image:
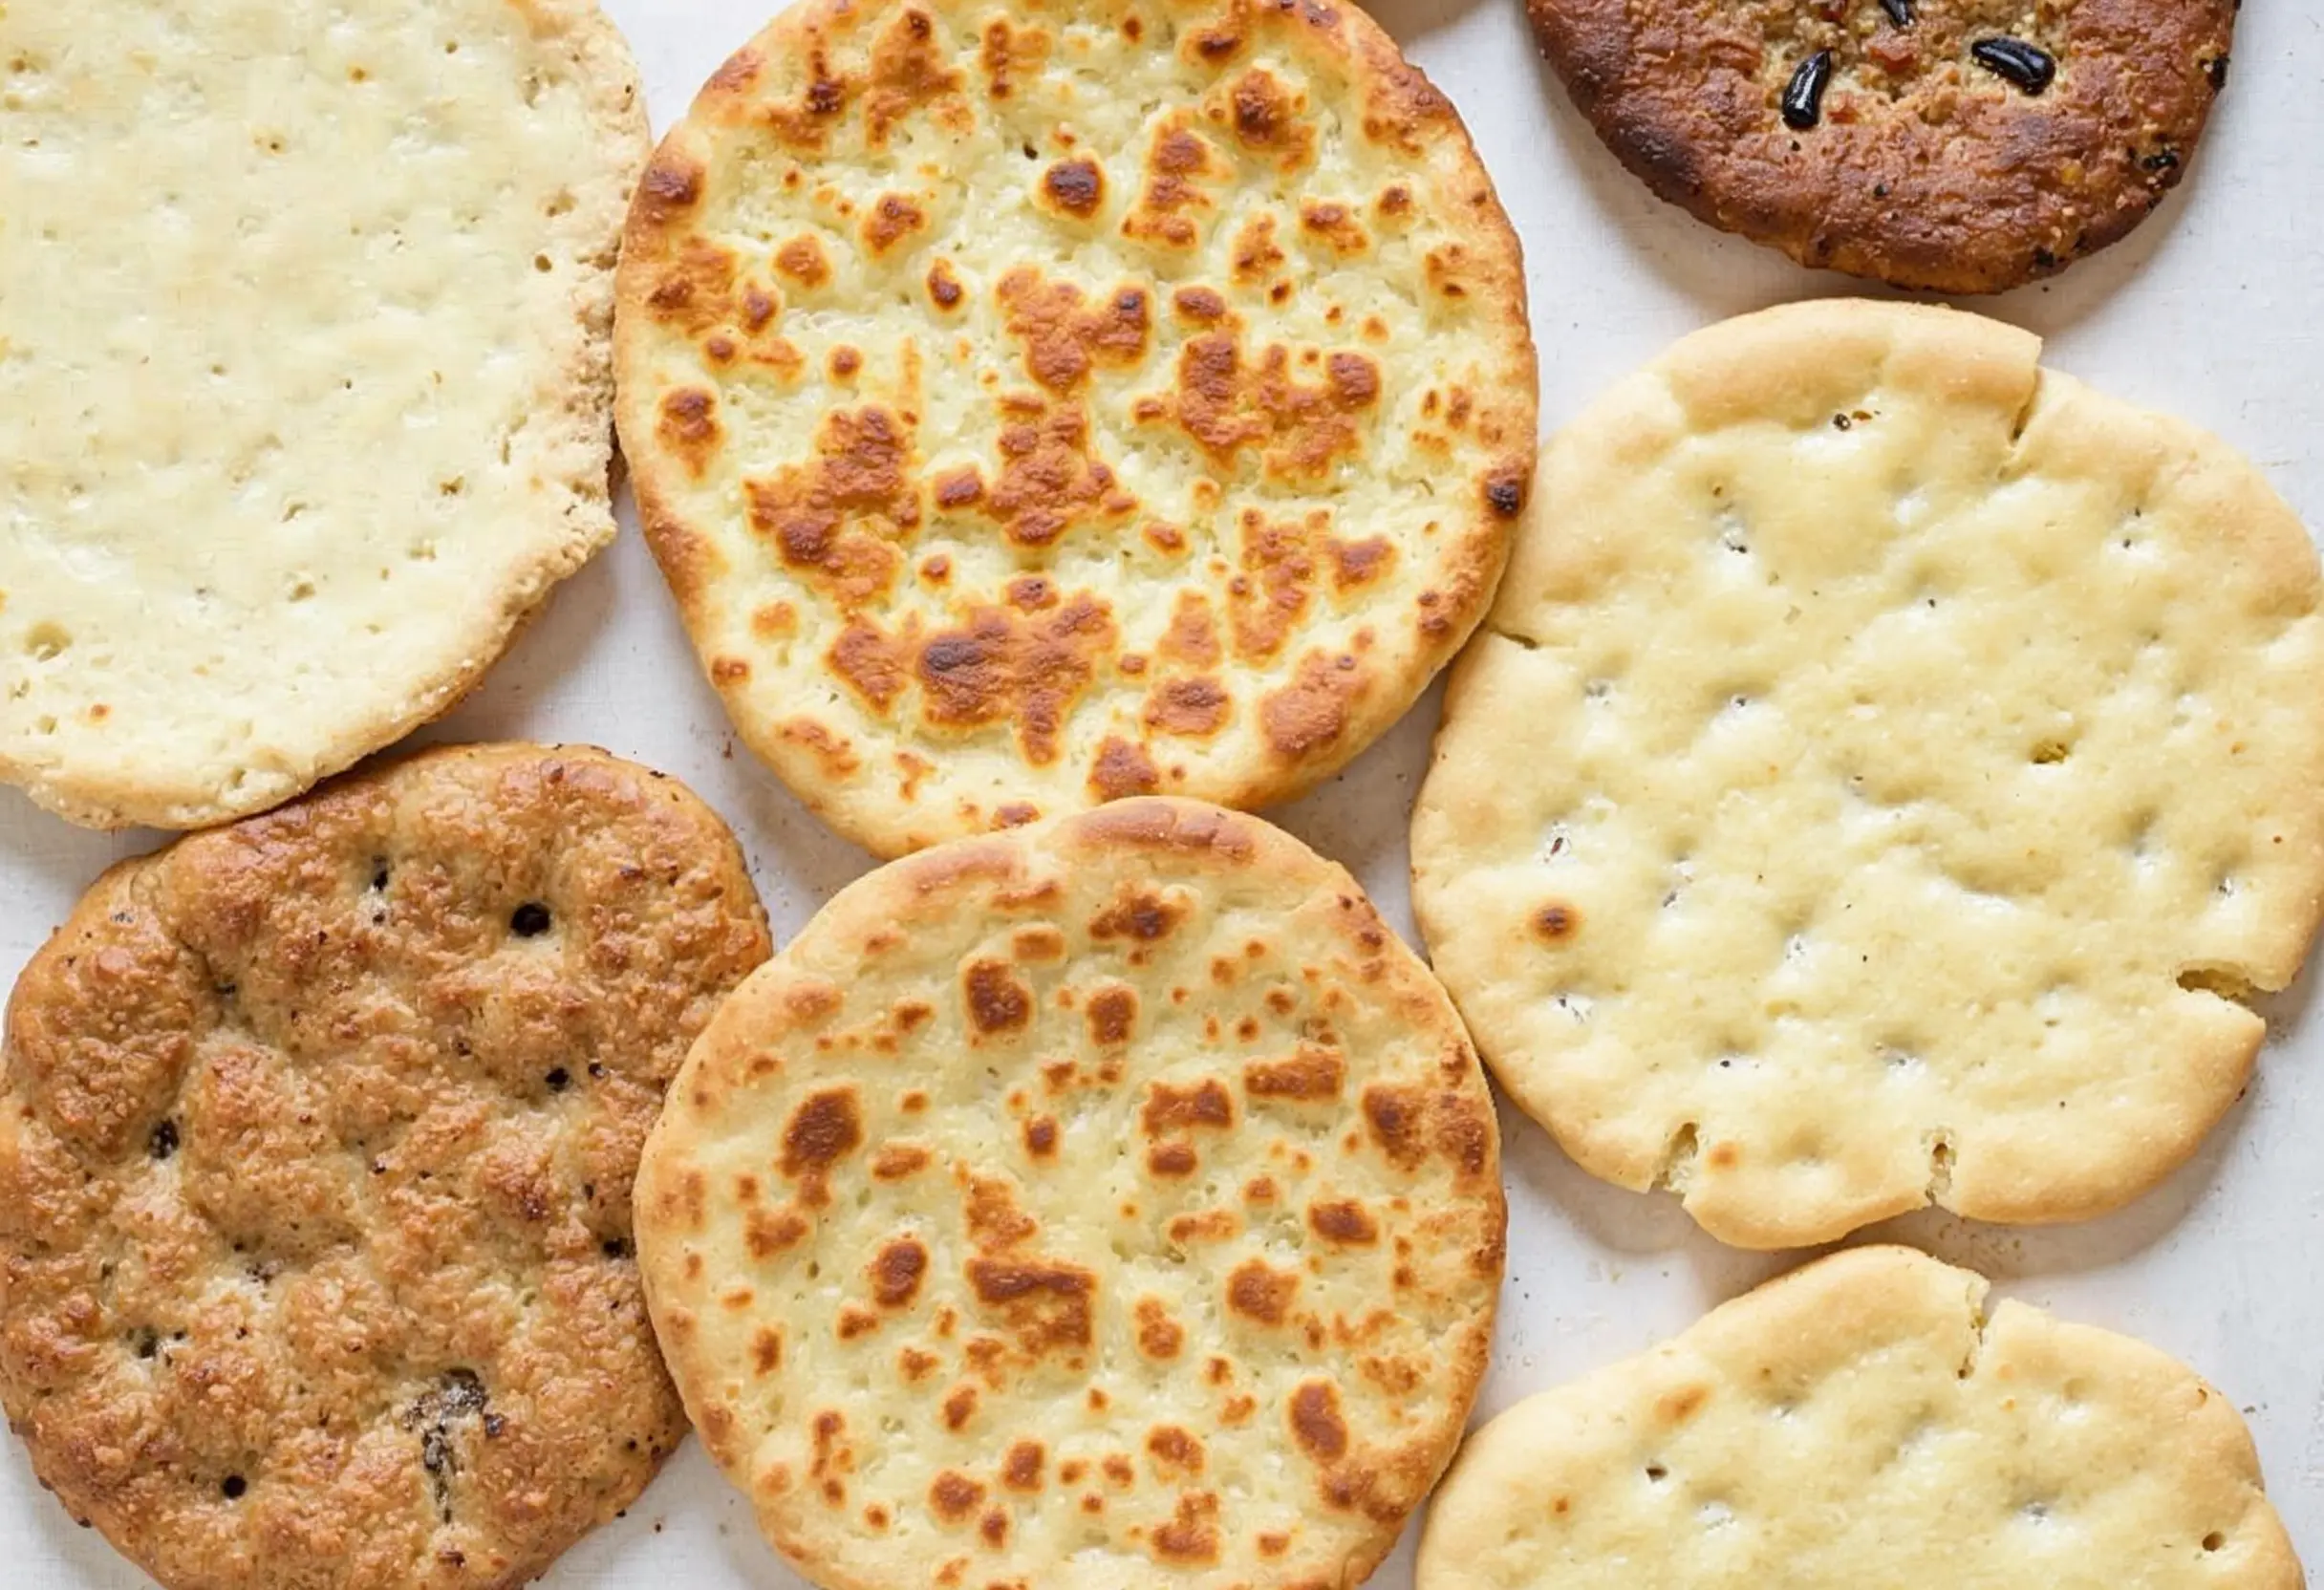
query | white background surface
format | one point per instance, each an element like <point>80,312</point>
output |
<point>2215,309</point>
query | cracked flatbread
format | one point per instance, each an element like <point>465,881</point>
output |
<point>1888,769</point>
<point>1865,1424</point>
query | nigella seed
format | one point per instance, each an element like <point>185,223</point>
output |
<point>2023,64</point>
<point>529,921</point>
<point>1803,96</point>
<point>1900,11</point>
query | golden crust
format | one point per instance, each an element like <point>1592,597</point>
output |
<point>315,1155</point>
<point>1862,1422</point>
<point>141,690</point>
<point>1114,1200</point>
<point>1011,448</point>
<point>1916,754</point>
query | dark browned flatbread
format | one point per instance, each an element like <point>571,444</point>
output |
<point>316,1136</point>
<point>1952,145</point>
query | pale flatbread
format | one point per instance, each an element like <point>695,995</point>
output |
<point>1032,407</point>
<point>1114,1204</point>
<point>304,377</point>
<point>1863,1425</point>
<point>1891,768</point>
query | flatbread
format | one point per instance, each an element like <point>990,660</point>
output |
<point>304,378</point>
<point>1890,768</point>
<point>316,1142</point>
<point>1112,1204</point>
<point>1949,145</point>
<point>1858,1425</point>
<point>1033,406</point>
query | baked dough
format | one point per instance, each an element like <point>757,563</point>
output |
<point>1888,768</point>
<point>305,376</point>
<point>1865,1424</point>
<point>316,1142</point>
<point>1111,1204</point>
<point>1034,407</point>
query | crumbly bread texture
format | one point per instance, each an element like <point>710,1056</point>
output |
<point>1888,768</point>
<point>1112,1204</point>
<point>1922,167</point>
<point>1038,404</point>
<point>316,1147</point>
<point>1860,1425</point>
<point>305,376</point>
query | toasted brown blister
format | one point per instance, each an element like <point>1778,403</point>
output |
<point>1032,409</point>
<point>1953,145</point>
<point>1112,1203</point>
<point>315,1156</point>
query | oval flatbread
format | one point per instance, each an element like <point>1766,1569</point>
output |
<point>1864,1422</point>
<point>1889,770</point>
<point>1115,1204</point>
<point>1034,407</point>
<point>304,378</point>
<point>316,1142</point>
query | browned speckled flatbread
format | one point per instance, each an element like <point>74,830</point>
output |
<point>1037,405</point>
<point>1111,1205</point>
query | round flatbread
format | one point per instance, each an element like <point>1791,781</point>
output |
<point>1891,769</point>
<point>1952,145</point>
<point>1032,408</point>
<point>1115,1204</point>
<point>316,1143</point>
<point>1864,1422</point>
<point>304,378</point>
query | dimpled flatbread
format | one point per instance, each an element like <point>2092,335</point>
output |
<point>1865,1424</point>
<point>1112,1204</point>
<point>1891,769</point>
<point>305,376</point>
<point>316,1142</point>
<point>1033,405</point>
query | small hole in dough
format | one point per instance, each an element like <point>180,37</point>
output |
<point>2213,1541</point>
